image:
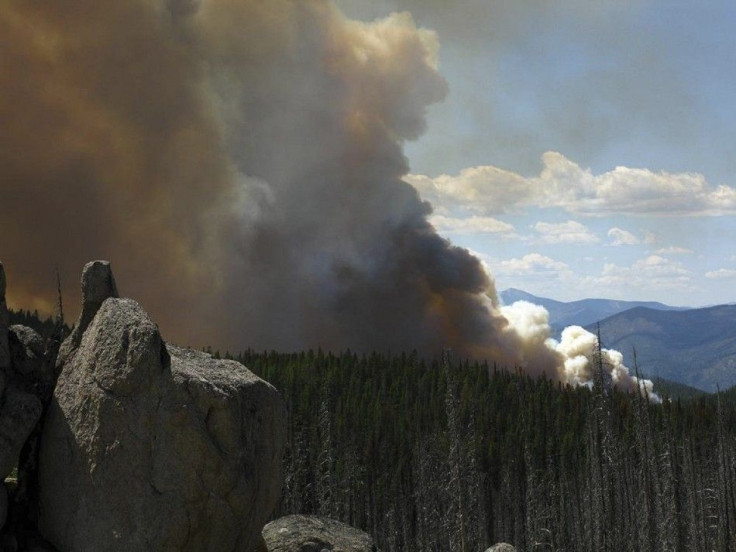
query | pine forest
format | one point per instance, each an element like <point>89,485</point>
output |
<point>452,455</point>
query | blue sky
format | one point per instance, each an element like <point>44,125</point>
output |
<point>586,148</point>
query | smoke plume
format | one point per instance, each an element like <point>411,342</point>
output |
<point>240,163</point>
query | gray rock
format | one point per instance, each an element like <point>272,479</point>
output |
<point>149,447</point>
<point>501,547</point>
<point>98,284</point>
<point>30,371</point>
<point>4,348</point>
<point>19,414</point>
<point>3,505</point>
<point>315,534</point>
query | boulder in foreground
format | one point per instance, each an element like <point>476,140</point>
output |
<point>152,447</point>
<point>501,547</point>
<point>315,534</point>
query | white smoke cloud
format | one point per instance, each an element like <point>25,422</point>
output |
<point>576,350</point>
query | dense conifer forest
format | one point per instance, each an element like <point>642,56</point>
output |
<point>454,456</point>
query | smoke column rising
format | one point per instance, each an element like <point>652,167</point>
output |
<point>240,162</point>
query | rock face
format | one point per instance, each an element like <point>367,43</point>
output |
<point>3,504</point>
<point>314,534</point>
<point>18,416</point>
<point>501,547</point>
<point>98,284</point>
<point>4,348</point>
<point>152,447</point>
<point>30,371</point>
<point>20,408</point>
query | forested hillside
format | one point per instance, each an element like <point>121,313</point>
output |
<point>455,456</point>
<point>695,347</point>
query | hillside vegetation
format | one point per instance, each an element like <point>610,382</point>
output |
<point>696,347</point>
<point>454,456</point>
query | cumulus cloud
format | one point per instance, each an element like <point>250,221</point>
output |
<point>564,184</point>
<point>472,225</point>
<point>721,274</point>
<point>674,250</point>
<point>487,190</point>
<point>653,271</point>
<point>532,264</point>
<point>565,232</point>
<point>622,237</point>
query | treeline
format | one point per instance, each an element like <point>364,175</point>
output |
<point>45,327</point>
<point>453,456</point>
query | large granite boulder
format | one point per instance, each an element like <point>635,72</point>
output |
<point>3,504</point>
<point>98,284</point>
<point>315,534</point>
<point>4,347</point>
<point>30,369</point>
<point>20,409</point>
<point>501,547</point>
<point>152,447</point>
<point>19,414</point>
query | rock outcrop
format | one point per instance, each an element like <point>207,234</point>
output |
<point>147,446</point>
<point>4,348</point>
<point>30,369</point>
<point>19,414</point>
<point>20,408</point>
<point>501,547</point>
<point>314,534</point>
<point>3,505</point>
<point>98,284</point>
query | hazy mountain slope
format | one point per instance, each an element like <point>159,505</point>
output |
<point>696,347</point>
<point>582,312</point>
<point>675,390</point>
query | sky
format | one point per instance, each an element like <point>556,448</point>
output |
<point>585,148</point>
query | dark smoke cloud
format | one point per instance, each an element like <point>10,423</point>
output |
<point>240,162</point>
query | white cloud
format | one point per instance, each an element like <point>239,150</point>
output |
<point>564,184</point>
<point>532,264</point>
<point>565,232</point>
<point>622,237</point>
<point>486,190</point>
<point>674,250</point>
<point>650,238</point>
<point>721,274</point>
<point>471,225</point>
<point>653,272</point>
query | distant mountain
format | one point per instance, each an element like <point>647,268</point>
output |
<point>696,347</point>
<point>673,390</point>
<point>580,313</point>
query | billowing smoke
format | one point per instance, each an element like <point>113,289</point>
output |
<point>577,350</point>
<point>240,162</point>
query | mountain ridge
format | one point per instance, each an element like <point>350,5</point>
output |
<point>696,347</point>
<point>582,312</point>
